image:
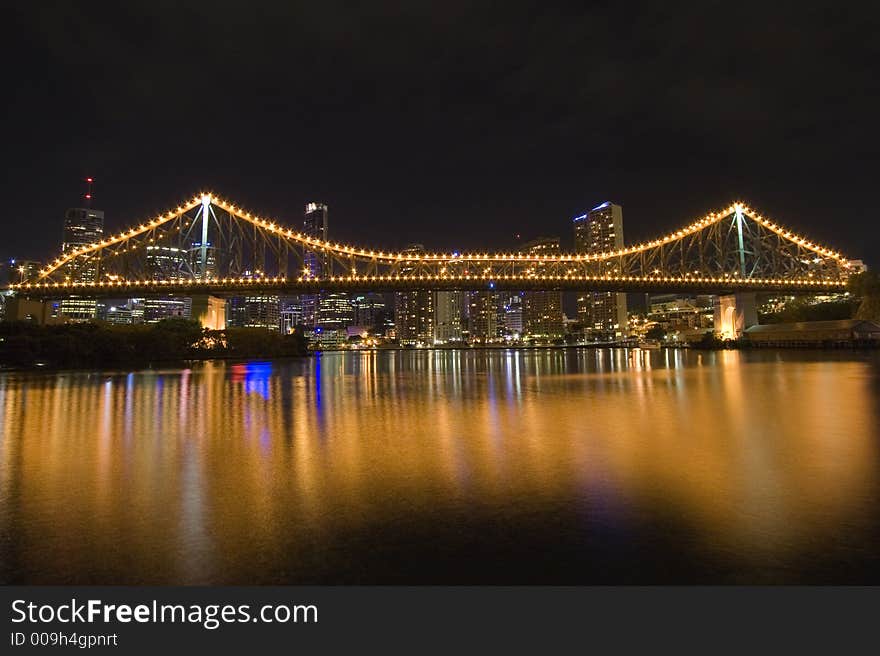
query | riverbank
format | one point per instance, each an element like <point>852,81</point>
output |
<point>97,345</point>
<point>76,346</point>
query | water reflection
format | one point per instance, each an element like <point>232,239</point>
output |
<point>565,465</point>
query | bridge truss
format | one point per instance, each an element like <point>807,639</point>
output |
<point>215,246</point>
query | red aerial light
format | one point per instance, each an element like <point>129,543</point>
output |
<point>89,180</point>
<point>88,197</point>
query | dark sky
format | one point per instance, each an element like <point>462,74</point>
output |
<point>452,124</point>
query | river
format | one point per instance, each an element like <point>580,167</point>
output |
<point>473,466</point>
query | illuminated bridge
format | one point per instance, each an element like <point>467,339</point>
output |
<point>211,246</point>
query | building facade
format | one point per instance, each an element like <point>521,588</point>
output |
<point>82,226</point>
<point>602,314</point>
<point>254,312</point>
<point>316,224</point>
<point>483,317</point>
<point>542,317</point>
<point>448,317</point>
<point>414,311</point>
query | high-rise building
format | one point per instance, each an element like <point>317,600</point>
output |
<point>513,315</point>
<point>82,226</point>
<point>195,261</point>
<point>167,263</point>
<point>254,312</point>
<point>14,271</point>
<point>542,311</point>
<point>370,312</point>
<point>414,311</point>
<point>334,312</point>
<point>603,314</point>
<point>315,263</point>
<point>448,316</point>
<point>483,317</point>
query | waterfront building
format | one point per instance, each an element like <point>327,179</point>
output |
<point>603,314</point>
<point>483,317</point>
<point>845,332</point>
<point>414,311</point>
<point>334,312</point>
<point>156,309</point>
<point>370,311</point>
<point>254,312</point>
<point>680,312</point>
<point>542,311</point>
<point>448,315</point>
<point>512,308</point>
<point>117,314</point>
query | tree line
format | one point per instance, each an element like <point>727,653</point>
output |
<point>98,344</point>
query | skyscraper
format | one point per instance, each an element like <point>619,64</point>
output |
<point>82,226</point>
<point>603,314</point>
<point>448,310</point>
<point>414,311</point>
<point>370,312</point>
<point>542,311</point>
<point>315,263</point>
<point>513,314</point>
<point>483,314</point>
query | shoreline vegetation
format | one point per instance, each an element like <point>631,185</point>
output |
<point>25,345</point>
<point>96,345</point>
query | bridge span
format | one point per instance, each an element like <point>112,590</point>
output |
<point>212,246</point>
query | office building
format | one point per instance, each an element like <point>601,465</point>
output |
<point>83,226</point>
<point>334,312</point>
<point>254,312</point>
<point>370,311</point>
<point>414,311</point>
<point>15,271</point>
<point>483,314</point>
<point>602,314</point>
<point>512,307</point>
<point>448,316</point>
<point>156,309</point>
<point>315,263</point>
<point>542,311</point>
<point>211,261</point>
<point>167,263</point>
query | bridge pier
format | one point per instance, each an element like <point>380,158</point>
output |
<point>734,313</point>
<point>210,311</point>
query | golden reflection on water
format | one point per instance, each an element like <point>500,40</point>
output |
<point>225,471</point>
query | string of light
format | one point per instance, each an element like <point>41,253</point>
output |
<point>390,257</point>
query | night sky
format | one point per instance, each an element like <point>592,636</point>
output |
<point>451,124</point>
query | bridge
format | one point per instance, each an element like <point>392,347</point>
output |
<point>230,250</point>
<point>210,246</point>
